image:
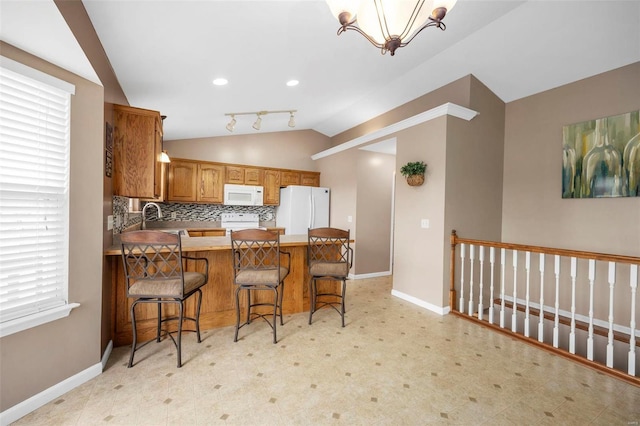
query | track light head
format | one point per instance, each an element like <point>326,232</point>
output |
<point>258,122</point>
<point>292,120</point>
<point>232,123</point>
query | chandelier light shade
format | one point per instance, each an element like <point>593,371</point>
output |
<point>260,114</point>
<point>390,24</point>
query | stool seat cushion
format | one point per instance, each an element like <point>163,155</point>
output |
<point>329,269</point>
<point>268,277</point>
<point>167,287</point>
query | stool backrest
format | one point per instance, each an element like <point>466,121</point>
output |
<point>151,255</point>
<point>329,245</point>
<point>255,249</point>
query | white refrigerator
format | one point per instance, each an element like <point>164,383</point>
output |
<point>301,208</point>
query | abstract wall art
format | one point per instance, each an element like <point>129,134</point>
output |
<point>601,158</point>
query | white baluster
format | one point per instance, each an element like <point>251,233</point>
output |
<point>527,267</point>
<point>481,305</point>
<point>503,255</point>
<point>472,256</point>
<point>556,321</point>
<point>592,277</point>
<point>492,261</point>
<point>514,314</point>
<point>612,283</point>
<point>633,281</point>
<point>541,321</point>
<point>572,332</point>
<point>462,252</point>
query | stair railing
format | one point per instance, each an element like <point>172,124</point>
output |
<point>592,315</point>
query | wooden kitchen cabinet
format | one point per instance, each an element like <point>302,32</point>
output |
<point>310,178</point>
<point>289,177</point>
<point>192,181</point>
<point>183,178</point>
<point>253,176</point>
<point>234,174</point>
<point>137,146</point>
<point>271,187</point>
<point>211,183</point>
<point>207,233</point>
<point>243,175</point>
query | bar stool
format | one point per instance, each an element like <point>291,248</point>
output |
<point>258,266</point>
<point>154,270</point>
<point>329,257</point>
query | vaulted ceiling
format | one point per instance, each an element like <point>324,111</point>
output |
<point>166,54</point>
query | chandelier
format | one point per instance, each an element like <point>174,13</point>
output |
<point>390,24</point>
<point>259,114</point>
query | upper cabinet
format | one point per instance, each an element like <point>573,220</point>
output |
<point>137,170</point>
<point>241,175</point>
<point>192,181</point>
<point>203,182</point>
<point>271,187</point>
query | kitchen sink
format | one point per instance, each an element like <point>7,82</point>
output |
<point>182,232</point>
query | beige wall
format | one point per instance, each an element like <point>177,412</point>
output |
<point>36,359</point>
<point>286,150</point>
<point>418,252</point>
<point>375,180</point>
<point>339,172</point>
<point>534,211</point>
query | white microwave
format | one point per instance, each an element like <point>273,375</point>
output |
<point>243,195</point>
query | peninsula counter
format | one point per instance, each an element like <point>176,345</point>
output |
<point>218,306</point>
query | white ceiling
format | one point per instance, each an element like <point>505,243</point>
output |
<point>166,54</point>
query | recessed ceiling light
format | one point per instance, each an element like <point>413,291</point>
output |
<point>292,83</point>
<point>220,81</point>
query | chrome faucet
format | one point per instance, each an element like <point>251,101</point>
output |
<point>144,210</point>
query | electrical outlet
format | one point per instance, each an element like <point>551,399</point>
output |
<point>173,215</point>
<point>109,222</point>
<point>424,223</point>
<point>349,219</point>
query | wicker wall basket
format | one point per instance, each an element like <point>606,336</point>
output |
<point>415,180</point>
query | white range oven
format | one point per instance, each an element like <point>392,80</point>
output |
<point>238,221</point>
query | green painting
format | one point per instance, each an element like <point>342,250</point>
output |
<point>601,158</point>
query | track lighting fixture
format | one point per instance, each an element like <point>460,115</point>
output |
<point>232,123</point>
<point>258,123</point>
<point>164,157</point>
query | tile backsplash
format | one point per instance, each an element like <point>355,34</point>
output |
<point>185,212</point>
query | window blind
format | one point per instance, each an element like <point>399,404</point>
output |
<point>34,194</point>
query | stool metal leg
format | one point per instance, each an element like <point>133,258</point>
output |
<point>235,339</point>
<point>180,320</point>
<point>135,333</point>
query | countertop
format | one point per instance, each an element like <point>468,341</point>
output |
<point>193,244</point>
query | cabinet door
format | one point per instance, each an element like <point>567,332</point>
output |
<point>271,187</point>
<point>253,176</point>
<point>182,181</point>
<point>287,177</point>
<point>234,174</point>
<point>137,146</point>
<point>310,178</point>
<point>211,183</point>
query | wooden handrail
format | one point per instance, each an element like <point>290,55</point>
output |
<point>546,250</point>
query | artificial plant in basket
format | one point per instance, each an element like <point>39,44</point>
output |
<point>414,172</point>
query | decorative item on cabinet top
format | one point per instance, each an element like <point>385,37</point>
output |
<point>414,172</point>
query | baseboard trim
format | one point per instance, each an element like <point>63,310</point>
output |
<point>371,275</point>
<point>25,407</point>
<point>433,308</point>
<point>107,354</point>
